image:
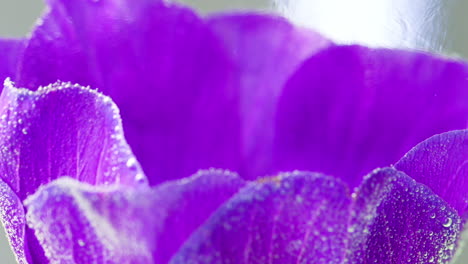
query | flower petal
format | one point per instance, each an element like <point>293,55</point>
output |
<point>441,163</point>
<point>13,220</point>
<point>293,218</point>
<point>79,223</point>
<point>398,220</point>
<point>43,138</point>
<point>10,53</point>
<point>165,70</point>
<point>350,109</point>
<point>187,204</point>
<point>87,224</point>
<point>186,87</point>
<point>267,50</point>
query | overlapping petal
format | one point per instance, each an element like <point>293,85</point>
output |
<point>209,92</point>
<point>10,53</point>
<point>441,162</point>
<point>13,220</point>
<point>397,220</point>
<point>186,204</point>
<point>187,94</point>
<point>61,130</point>
<point>266,51</point>
<point>291,218</point>
<point>351,109</point>
<point>79,223</point>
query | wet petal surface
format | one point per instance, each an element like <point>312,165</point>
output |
<point>186,204</point>
<point>13,219</point>
<point>80,223</point>
<point>292,218</point>
<point>43,138</point>
<point>441,162</point>
<point>397,220</point>
<point>185,107</point>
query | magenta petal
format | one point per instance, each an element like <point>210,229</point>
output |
<point>266,51</point>
<point>350,109</point>
<point>441,163</point>
<point>398,220</point>
<point>124,225</point>
<point>293,218</point>
<point>10,53</point>
<point>13,219</point>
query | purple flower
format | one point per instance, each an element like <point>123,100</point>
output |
<point>279,105</point>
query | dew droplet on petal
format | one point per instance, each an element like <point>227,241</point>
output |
<point>447,222</point>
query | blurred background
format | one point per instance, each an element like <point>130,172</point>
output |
<point>432,25</point>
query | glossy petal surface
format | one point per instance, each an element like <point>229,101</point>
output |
<point>190,96</point>
<point>43,138</point>
<point>397,220</point>
<point>186,204</point>
<point>350,109</point>
<point>266,51</point>
<point>13,219</point>
<point>10,53</point>
<point>293,218</point>
<point>172,86</point>
<point>441,162</point>
<point>79,223</point>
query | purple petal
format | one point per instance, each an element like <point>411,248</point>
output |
<point>267,51</point>
<point>13,219</point>
<point>350,109</point>
<point>121,225</point>
<point>398,220</point>
<point>165,70</point>
<point>293,218</point>
<point>80,223</point>
<point>10,53</point>
<point>43,138</point>
<point>179,81</point>
<point>186,204</point>
<point>441,163</point>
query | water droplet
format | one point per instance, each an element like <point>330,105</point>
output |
<point>81,242</point>
<point>433,215</point>
<point>140,178</point>
<point>24,131</point>
<point>131,163</point>
<point>448,222</point>
<point>299,199</point>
